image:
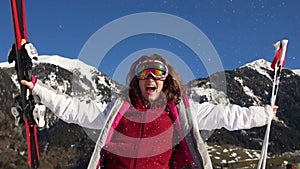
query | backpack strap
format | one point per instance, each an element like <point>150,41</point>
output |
<point>174,114</point>
<point>106,131</point>
<point>118,117</point>
<point>185,98</point>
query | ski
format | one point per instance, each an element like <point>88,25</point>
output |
<point>23,66</point>
<point>277,65</point>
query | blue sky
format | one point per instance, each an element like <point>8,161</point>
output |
<point>241,31</point>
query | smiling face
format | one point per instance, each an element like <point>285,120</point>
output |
<point>151,88</point>
<point>151,78</point>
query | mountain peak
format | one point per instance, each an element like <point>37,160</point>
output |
<point>63,62</point>
<point>260,63</point>
<point>261,66</point>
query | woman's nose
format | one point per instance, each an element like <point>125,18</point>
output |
<point>150,77</point>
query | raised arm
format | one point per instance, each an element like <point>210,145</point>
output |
<point>86,113</point>
<point>232,117</point>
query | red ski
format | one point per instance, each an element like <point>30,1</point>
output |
<point>23,66</point>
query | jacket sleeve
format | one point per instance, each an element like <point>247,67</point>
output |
<point>232,117</point>
<point>86,113</point>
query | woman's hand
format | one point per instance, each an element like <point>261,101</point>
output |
<point>30,85</point>
<point>275,108</point>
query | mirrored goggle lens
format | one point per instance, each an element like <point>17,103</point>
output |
<point>156,73</point>
<point>154,67</point>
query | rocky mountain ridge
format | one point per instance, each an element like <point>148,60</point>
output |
<point>248,85</point>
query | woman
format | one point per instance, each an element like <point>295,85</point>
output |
<point>153,124</point>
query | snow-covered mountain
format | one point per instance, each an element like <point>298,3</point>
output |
<point>297,71</point>
<point>247,85</point>
<point>261,66</point>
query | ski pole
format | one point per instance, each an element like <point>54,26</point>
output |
<point>277,65</point>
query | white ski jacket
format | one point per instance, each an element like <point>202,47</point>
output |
<point>204,116</point>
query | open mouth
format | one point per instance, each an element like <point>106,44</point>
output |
<point>150,89</point>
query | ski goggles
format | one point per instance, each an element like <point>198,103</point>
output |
<point>155,68</point>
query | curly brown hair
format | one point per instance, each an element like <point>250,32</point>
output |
<point>173,84</point>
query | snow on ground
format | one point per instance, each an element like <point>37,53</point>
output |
<point>223,154</point>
